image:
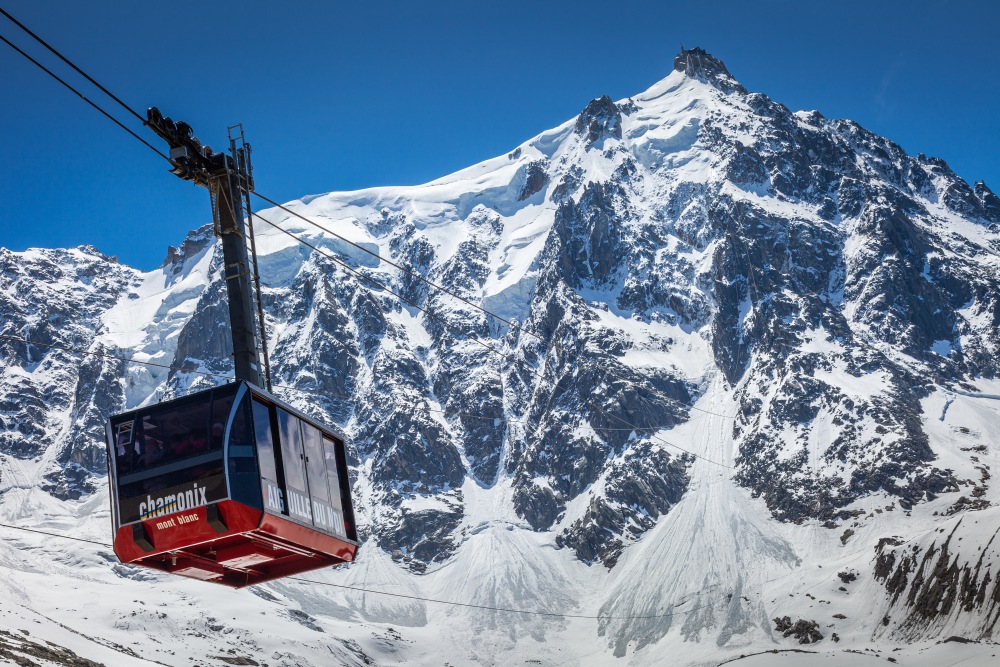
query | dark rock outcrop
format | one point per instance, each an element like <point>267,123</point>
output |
<point>601,118</point>
<point>698,63</point>
<point>807,632</point>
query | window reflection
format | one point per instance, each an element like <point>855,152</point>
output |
<point>293,461</point>
<point>165,450</point>
<point>171,445</point>
<point>269,484</point>
<point>330,452</point>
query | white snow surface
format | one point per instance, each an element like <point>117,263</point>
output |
<point>699,588</point>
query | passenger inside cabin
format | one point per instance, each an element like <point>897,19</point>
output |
<point>218,433</point>
<point>199,445</point>
<point>124,451</point>
<point>153,452</point>
<point>181,446</point>
<point>123,461</point>
<point>189,445</point>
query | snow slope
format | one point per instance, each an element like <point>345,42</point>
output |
<point>741,367</point>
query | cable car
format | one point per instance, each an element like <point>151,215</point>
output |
<point>229,485</point>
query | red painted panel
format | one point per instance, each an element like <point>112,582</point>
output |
<point>125,547</point>
<point>239,518</point>
<point>254,548</point>
<point>196,569</point>
<point>182,530</point>
<point>307,537</point>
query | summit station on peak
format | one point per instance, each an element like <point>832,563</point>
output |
<point>698,63</point>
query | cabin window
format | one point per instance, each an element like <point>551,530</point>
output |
<point>293,462</point>
<point>166,460</point>
<point>241,436</point>
<point>326,516</point>
<point>126,446</point>
<point>335,511</point>
<point>173,434</point>
<point>221,407</point>
<point>330,453</point>
<point>315,467</point>
<point>269,483</point>
<point>244,481</point>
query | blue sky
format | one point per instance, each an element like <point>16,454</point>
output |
<point>340,96</point>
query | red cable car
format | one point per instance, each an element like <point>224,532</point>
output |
<point>229,485</point>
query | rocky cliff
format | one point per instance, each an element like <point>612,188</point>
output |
<point>688,288</point>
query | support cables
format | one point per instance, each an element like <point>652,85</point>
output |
<point>71,64</point>
<point>473,339</point>
<point>284,387</point>
<point>412,597</point>
<point>553,344</point>
<point>82,96</point>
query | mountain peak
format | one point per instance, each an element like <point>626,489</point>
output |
<point>699,64</point>
<point>601,117</point>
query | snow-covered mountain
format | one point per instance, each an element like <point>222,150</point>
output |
<point>741,366</point>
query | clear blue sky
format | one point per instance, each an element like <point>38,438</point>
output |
<point>340,96</point>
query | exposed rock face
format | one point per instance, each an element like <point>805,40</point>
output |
<point>645,484</point>
<point>990,202</point>
<point>22,650</point>
<point>53,398</point>
<point>535,180</point>
<point>694,238</point>
<point>696,63</point>
<point>589,233</point>
<point>944,580</point>
<point>602,118</point>
<point>807,632</point>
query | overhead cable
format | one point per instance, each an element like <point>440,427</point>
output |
<point>83,97</point>
<point>71,64</point>
<point>553,344</point>
<point>505,609</point>
<point>397,595</point>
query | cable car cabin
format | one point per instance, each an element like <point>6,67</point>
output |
<point>229,485</point>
